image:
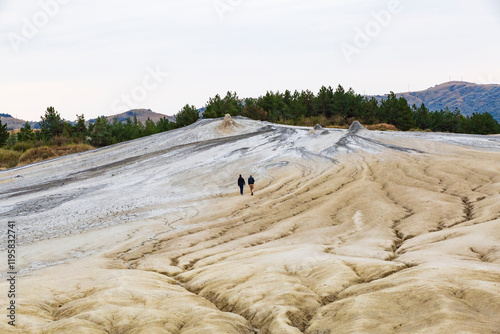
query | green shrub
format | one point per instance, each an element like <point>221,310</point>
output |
<point>22,146</point>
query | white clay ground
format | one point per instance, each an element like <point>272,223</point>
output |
<point>349,231</point>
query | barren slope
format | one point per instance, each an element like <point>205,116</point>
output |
<point>468,97</point>
<point>348,232</point>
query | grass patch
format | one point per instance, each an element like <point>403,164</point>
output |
<point>9,158</point>
<point>71,148</point>
<point>37,154</point>
<point>382,127</point>
<point>338,127</point>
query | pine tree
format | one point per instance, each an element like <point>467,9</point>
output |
<point>397,112</point>
<point>118,131</point>
<point>323,103</point>
<point>52,124</point>
<point>353,104</point>
<point>403,119</point>
<point>4,134</point>
<point>422,117</point>
<point>150,127</point>
<point>338,102</point>
<point>218,107</point>
<point>138,128</point>
<point>26,133</point>
<point>186,116</point>
<point>274,105</point>
<point>101,132</point>
<point>483,124</point>
<point>253,111</point>
<point>164,125</point>
<point>297,108</point>
<point>232,104</point>
<point>370,110</point>
<point>214,108</point>
<point>307,101</point>
<point>80,129</point>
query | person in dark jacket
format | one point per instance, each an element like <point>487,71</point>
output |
<point>251,181</point>
<point>241,183</point>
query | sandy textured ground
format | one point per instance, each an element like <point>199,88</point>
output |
<point>348,232</point>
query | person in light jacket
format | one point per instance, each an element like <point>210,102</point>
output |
<point>251,181</point>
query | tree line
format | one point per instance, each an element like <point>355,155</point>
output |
<point>327,107</point>
<point>341,107</point>
<point>54,130</point>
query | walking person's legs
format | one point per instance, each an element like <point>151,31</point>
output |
<point>241,189</point>
<point>251,188</point>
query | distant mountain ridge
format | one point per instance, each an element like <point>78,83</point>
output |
<point>141,114</point>
<point>467,97</point>
<point>16,123</point>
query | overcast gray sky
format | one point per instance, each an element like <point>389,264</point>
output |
<point>104,57</point>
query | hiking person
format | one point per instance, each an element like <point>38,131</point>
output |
<point>251,181</point>
<point>241,183</point>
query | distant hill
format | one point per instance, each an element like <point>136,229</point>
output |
<point>467,97</point>
<point>15,123</point>
<point>141,114</point>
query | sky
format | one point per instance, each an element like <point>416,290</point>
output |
<point>106,57</point>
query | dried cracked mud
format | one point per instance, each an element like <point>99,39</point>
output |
<point>349,231</point>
